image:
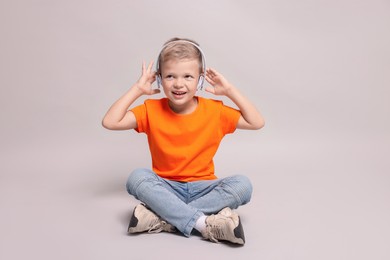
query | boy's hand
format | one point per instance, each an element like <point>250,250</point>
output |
<point>144,83</point>
<point>250,118</point>
<point>220,85</point>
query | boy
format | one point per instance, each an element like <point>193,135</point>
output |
<point>181,191</point>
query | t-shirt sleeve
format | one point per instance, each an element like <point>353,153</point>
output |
<point>141,117</point>
<point>229,119</point>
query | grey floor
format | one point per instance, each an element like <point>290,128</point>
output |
<point>318,71</point>
<point>323,200</point>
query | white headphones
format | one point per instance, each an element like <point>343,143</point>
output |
<point>201,77</point>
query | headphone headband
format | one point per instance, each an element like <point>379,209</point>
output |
<point>201,77</point>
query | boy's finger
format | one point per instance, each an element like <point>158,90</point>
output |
<point>210,90</point>
<point>150,66</point>
<point>212,71</point>
<point>210,80</point>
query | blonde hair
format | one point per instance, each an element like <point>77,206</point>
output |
<point>180,49</point>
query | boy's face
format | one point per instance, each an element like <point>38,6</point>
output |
<point>179,81</point>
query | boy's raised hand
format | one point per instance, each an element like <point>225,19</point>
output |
<point>220,85</point>
<point>144,83</point>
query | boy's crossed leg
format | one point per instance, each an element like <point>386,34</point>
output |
<point>170,200</point>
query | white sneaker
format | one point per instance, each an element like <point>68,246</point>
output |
<point>144,219</point>
<point>225,225</point>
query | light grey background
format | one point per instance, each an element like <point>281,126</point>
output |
<point>318,70</point>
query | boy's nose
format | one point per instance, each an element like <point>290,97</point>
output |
<point>179,83</point>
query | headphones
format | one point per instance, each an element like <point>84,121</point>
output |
<point>201,77</point>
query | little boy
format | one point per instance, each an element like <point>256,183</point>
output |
<point>181,191</point>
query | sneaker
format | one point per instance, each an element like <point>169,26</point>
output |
<point>225,225</point>
<point>144,219</point>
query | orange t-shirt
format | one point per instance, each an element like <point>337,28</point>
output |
<point>183,146</point>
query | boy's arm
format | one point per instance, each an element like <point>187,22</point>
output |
<point>250,118</point>
<point>118,117</point>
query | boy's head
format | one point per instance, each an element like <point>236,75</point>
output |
<point>180,49</point>
<point>180,68</point>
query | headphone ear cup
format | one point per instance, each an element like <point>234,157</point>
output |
<point>159,81</point>
<point>200,82</point>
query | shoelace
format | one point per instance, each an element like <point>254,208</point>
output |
<point>157,227</point>
<point>214,232</point>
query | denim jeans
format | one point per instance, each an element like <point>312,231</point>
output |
<point>182,203</point>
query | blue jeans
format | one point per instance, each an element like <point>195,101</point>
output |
<point>182,203</point>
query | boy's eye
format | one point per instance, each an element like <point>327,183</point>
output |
<point>189,77</point>
<point>168,76</point>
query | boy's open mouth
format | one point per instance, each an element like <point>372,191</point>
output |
<point>179,93</point>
